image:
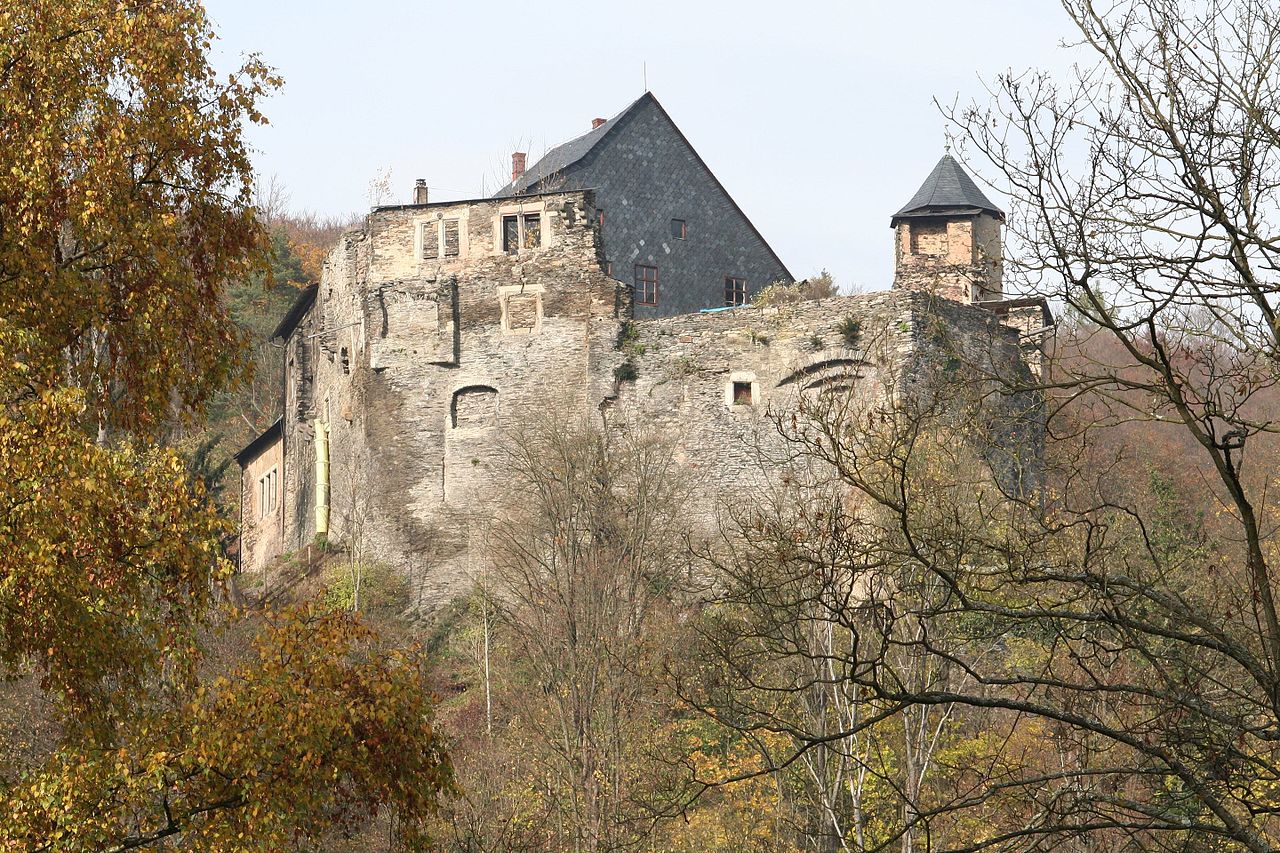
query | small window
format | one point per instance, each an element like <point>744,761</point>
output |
<point>532,231</point>
<point>678,229</point>
<point>430,242</point>
<point>346,361</point>
<point>600,217</point>
<point>451,243</point>
<point>646,285</point>
<point>608,268</point>
<point>735,290</point>
<point>742,394</point>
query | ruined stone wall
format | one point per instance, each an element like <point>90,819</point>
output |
<point>426,340</point>
<point>719,384</point>
<point>428,344</point>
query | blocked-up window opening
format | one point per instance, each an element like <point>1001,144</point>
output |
<point>928,238</point>
<point>510,234</point>
<point>742,394</point>
<point>451,244</point>
<point>735,290</point>
<point>532,231</point>
<point>522,312</point>
<point>430,242</point>
<point>646,285</point>
<point>474,406</point>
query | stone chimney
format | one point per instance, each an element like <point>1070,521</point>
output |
<point>517,165</point>
<point>596,122</point>
<point>420,191</point>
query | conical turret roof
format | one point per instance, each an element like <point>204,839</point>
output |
<point>947,191</point>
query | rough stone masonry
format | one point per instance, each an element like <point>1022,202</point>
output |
<point>431,333</point>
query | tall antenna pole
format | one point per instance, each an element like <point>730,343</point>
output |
<point>644,75</point>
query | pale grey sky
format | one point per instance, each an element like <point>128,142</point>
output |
<point>816,116</point>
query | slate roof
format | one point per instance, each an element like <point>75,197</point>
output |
<point>254,448</point>
<point>948,189</point>
<point>296,312</point>
<point>565,155</point>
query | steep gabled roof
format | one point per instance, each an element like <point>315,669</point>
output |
<point>296,312</point>
<point>254,448</point>
<point>947,190</point>
<point>565,155</point>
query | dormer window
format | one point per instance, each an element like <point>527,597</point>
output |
<point>521,231</point>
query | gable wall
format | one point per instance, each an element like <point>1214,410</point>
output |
<point>645,175</point>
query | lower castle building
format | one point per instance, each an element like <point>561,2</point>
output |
<point>405,369</point>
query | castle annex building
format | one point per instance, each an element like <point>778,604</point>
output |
<point>437,327</point>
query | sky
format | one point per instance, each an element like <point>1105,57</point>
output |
<point>818,117</point>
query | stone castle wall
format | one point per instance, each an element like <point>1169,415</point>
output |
<point>417,363</point>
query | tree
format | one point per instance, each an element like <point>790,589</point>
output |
<point>1142,651</point>
<point>587,583</point>
<point>125,209</point>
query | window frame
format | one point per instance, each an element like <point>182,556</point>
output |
<point>521,218</point>
<point>735,289</point>
<point>683,229</point>
<point>268,492</point>
<point>639,288</point>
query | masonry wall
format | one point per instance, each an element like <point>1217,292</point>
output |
<point>418,363</point>
<point>956,257</point>
<point>644,175</point>
<point>690,370</point>
<point>262,536</point>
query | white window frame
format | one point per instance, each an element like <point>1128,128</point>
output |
<point>268,492</point>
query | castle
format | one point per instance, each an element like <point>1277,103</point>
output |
<point>438,325</point>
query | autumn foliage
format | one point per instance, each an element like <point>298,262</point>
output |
<point>125,212</point>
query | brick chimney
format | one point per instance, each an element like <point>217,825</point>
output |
<point>420,191</point>
<point>517,165</point>
<point>596,122</point>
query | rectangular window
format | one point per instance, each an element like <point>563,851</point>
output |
<point>430,242</point>
<point>451,243</point>
<point>646,285</point>
<point>532,231</point>
<point>735,290</point>
<point>521,232</point>
<point>742,394</point>
<point>510,234</point>
<point>608,268</point>
<point>678,229</point>
<point>600,217</point>
<point>267,491</point>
